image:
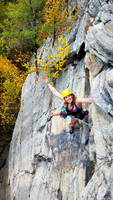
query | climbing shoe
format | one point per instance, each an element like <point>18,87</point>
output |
<point>71,130</point>
<point>48,119</point>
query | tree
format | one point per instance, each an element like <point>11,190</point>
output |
<point>55,16</point>
<point>10,87</point>
<point>19,27</point>
<point>55,62</point>
<point>58,17</point>
<point>2,14</point>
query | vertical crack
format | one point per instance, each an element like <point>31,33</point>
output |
<point>59,194</point>
<point>90,169</point>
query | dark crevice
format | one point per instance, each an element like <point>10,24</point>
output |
<point>107,196</point>
<point>3,164</point>
<point>81,52</point>
<point>38,159</point>
<point>41,128</point>
<point>59,194</point>
<point>87,82</point>
<point>76,56</point>
<point>3,155</point>
<point>90,169</point>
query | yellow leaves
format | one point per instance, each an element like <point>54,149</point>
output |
<point>19,57</point>
<point>10,86</point>
<point>42,35</point>
<point>55,16</point>
<point>74,17</point>
<point>78,9</point>
<point>56,74</point>
<point>58,17</point>
<point>55,62</point>
<point>59,48</point>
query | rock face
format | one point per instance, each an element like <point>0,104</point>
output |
<point>46,161</point>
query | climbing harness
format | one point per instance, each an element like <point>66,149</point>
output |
<point>75,112</point>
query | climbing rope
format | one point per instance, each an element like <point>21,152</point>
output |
<point>98,129</point>
<point>91,126</point>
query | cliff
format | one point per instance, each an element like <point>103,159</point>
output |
<point>47,162</point>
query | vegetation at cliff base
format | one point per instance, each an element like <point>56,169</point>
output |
<point>11,81</point>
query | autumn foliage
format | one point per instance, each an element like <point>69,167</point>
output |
<point>58,18</point>
<point>55,62</point>
<point>55,16</point>
<point>10,87</point>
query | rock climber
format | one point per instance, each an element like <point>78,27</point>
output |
<point>72,105</point>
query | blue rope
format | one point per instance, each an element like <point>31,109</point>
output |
<point>98,129</point>
<point>91,126</point>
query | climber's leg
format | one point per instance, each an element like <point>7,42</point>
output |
<point>72,125</point>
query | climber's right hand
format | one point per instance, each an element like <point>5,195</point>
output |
<point>49,118</point>
<point>46,80</point>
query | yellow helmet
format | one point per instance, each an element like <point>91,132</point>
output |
<point>66,92</point>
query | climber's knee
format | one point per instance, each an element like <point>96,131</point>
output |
<point>74,122</point>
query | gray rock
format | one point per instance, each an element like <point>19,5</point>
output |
<point>95,5</point>
<point>99,40</point>
<point>80,36</point>
<point>102,94</point>
<point>44,162</point>
<point>105,14</point>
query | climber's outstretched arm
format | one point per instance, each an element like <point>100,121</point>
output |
<point>53,90</point>
<point>84,100</point>
<point>55,114</point>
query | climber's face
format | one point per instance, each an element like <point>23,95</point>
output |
<point>69,98</point>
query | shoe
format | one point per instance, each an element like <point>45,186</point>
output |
<point>71,130</point>
<point>48,119</point>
